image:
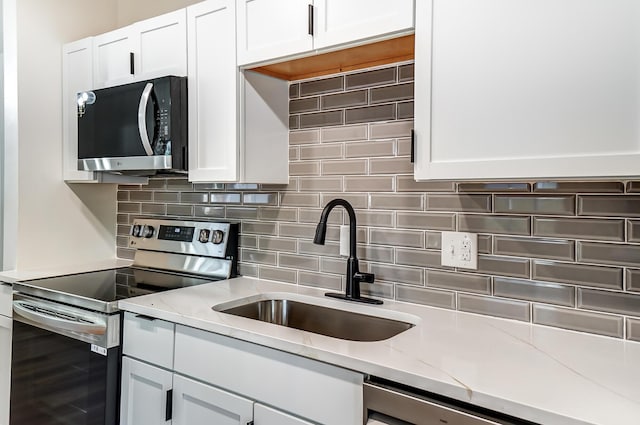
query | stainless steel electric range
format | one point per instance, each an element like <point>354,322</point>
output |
<point>66,330</point>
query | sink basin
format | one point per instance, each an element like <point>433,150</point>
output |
<point>333,322</point>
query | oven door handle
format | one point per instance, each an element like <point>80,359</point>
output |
<point>37,315</point>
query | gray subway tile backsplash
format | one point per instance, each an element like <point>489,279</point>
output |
<point>507,225</point>
<point>371,78</point>
<point>609,206</point>
<point>405,72</point>
<point>343,100</point>
<point>321,86</point>
<point>426,296</point>
<point>385,112</point>
<point>613,302</point>
<point>321,119</point>
<point>459,281</point>
<point>584,321</point>
<point>392,93</point>
<point>405,110</point>
<point>531,290</point>
<point>609,253</point>
<point>509,309</point>
<point>578,274</point>
<point>563,254</point>
<point>580,228</point>
<point>579,187</point>
<point>558,249</point>
<point>494,187</point>
<point>556,205</point>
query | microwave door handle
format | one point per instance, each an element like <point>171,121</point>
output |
<point>142,118</point>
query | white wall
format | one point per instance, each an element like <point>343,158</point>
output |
<point>130,11</point>
<point>55,220</point>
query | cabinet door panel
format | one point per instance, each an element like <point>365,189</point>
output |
<point>162,48</point>
<point>339,21</point>
<point>5,368</point>
<point>144,393</point>
<point>195,403</point>
<point>549,89</point>
<point>111,58</point>
<point>263,415</point>
<point>269,29</point>
<point>77,76</point>
<point>213,92</point>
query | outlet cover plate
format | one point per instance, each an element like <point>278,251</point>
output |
<point>459,249</point>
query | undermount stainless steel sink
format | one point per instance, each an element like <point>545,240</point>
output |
<point>318,319</point>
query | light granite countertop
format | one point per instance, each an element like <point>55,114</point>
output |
<point>545,375</point>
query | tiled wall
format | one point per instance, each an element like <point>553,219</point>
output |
<point>561,254</point>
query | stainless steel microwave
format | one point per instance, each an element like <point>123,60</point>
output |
<point>138,128</point>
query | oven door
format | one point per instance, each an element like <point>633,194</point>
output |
<point>61,375</point>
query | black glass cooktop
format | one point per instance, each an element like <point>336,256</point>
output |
<point>101,289</point>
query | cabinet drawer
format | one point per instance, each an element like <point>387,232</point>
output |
<point>5,299</point>
<point>148,339</point>
<point>310,389</point>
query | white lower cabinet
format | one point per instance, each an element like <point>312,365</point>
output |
<point>214,379</point>
<point>264,415</point>
<point>195,403</point>
<point>145,392</point>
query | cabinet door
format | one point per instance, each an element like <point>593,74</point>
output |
<point>145,392</point>
<point>5,368</point>
<point>270,29</point>
<point>339,21</point>
<point>213,92</point>
<point>527,89</point>
<point>263,415</point>
<point>161,46</point>
<point>195,403</point>
<point>77,76</point>
<point>112,58</point>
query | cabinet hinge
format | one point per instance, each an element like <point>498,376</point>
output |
<point>413,145</point>
<point>310,19</point>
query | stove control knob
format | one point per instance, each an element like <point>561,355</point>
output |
<point>204,235</point>
<point>147,231</point>
<point>135,230</point>
<point>217,237</point>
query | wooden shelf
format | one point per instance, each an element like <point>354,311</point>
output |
<point>365,56</point>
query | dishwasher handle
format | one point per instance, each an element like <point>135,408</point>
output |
<point>415,409</point>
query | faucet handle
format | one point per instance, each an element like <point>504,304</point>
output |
<point>364,277</point>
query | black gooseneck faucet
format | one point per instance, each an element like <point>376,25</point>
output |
<point>354,276</point>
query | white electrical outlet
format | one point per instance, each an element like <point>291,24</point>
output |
<point>460,249</point>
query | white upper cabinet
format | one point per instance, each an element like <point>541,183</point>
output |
<point>273,29</point>
<point>141,51</point>
<point>77,76</point>
<point>269,29</point>
<point>509,89</point>
<point>113,59</point>
<point>162,46</point>
<point>222,100</point>
<point>344,21</point>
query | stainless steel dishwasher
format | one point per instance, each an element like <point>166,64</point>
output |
<point>393,404</point>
